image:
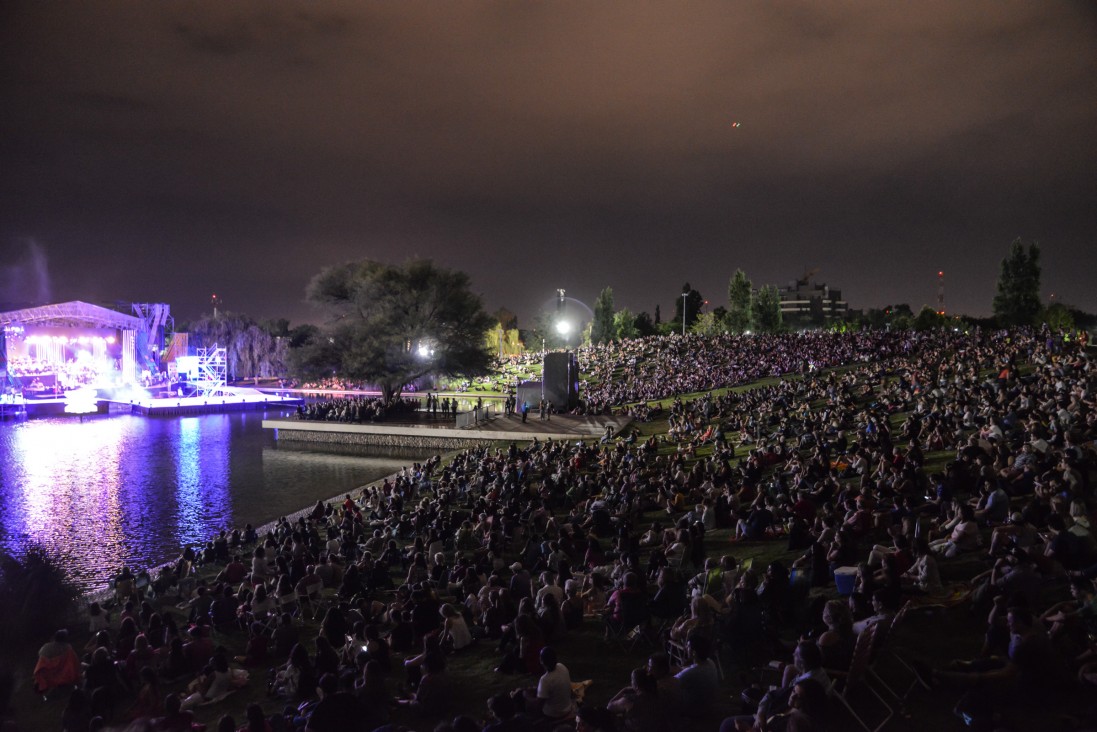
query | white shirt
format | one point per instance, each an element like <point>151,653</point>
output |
<point>555,688</point>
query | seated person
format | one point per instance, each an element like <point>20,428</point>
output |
<point>57,664</point>
<point>1032,676</point>
<point>627,606</point>
<point>640,706</point>
<point>698,681</point>
<point>757,522</point>
<point>552,697</point>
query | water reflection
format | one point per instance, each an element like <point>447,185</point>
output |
<point>201,458</point>
<point>65,479</point>
<point>109,491</point>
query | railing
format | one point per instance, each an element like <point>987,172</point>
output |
<point>474,417</point>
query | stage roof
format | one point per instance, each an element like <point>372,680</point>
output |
<point>71,314</point>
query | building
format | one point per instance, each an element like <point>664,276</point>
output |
<point>807,303</point>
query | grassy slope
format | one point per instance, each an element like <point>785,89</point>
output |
<point>940,635</point>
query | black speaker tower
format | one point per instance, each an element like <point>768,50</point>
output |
<point>561,380</point>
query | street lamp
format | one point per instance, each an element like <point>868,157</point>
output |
<point>684,296</point>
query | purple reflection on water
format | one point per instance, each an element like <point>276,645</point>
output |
<point>108,491</point>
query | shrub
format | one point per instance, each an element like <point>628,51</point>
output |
<point>36,598</point>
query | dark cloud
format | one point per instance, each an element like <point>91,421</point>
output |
<point>172,150</point>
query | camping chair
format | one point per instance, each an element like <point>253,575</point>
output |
<point>856,677</point>
<point>669,604</point>
<point>632,629</point>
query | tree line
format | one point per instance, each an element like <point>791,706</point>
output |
<point>387,325</point>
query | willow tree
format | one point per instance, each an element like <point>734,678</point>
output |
<point>251,350</point>
<point>389,325</point>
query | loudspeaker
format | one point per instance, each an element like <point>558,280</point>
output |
<point>561,378</point>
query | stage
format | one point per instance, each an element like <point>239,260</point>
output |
<point>230,400</point>
<point>233,399</point>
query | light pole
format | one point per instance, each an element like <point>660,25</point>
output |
<point>684,296</point>
<point>563,327</point>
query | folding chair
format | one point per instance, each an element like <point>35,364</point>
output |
<point>311,601</point>
<point>289,604</point>
<point>883,645</point>
<point>633,626</point>
<point>856,677</point>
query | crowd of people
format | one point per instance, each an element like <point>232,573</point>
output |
<point>511,551</point>
<point>648,369</point>
<point>357,410</point>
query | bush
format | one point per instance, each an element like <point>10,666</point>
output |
<point>36,598</point>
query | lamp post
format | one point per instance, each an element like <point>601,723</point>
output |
<point>684,296</point>
<point>563,327</point>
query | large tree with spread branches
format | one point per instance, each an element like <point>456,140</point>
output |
<point>389,325</point>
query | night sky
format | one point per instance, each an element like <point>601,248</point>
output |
<point>164,151</point>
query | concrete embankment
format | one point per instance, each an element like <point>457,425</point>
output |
<point>563,428</point>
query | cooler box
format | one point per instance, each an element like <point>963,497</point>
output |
<point>845,578</point>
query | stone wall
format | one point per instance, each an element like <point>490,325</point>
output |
<point>423,442</point>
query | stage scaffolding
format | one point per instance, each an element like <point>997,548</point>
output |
<point>212,369</point>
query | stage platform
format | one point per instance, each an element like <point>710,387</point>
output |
<point>435,433</point>
<point>172,406</point>
<point>247,399</point>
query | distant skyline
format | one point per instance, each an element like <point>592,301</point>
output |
<point>169,151</point>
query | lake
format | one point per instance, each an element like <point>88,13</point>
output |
<point>126,489</point>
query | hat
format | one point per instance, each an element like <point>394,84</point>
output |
<point>1017,518</point>
<point>516,567</point>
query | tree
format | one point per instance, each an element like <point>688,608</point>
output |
<point>766,310</point>
<point>507,319</point>
<point>250,348</point>
<point>277,327</point>
<point>302,334</point>
<point>740,293</point>
<point>502,341</point>
<point>602,328</point>
<point>390,325</point>
<point>624,324</point>
<point>927,319</point>
<point>693,302</point>
<point>707,324</point>
<point>1017,301</point>
<point>644,325</point>
<point>1059,317</point>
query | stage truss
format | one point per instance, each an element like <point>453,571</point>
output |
<point>212,369</point>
